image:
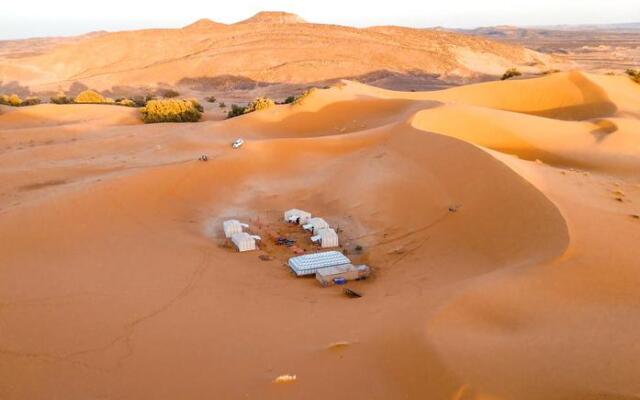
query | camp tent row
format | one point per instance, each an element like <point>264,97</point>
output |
<point>234,230</point>
<point>322,233</point>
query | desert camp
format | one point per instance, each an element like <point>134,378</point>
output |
<point>334,200</point>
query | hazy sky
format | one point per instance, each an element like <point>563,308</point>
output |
<point>29,18</point>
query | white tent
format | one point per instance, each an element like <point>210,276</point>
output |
<point>244,241</point>
<point>326,237</point>
<point>315,225</point>
<point>297,216</point>
<point>310,263</point>
<point>232,226</point>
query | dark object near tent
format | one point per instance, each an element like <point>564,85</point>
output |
<point>352,293</point>
<point>284,241</point>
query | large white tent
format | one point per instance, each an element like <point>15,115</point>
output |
<point>315,225</point>
<point>310,263</point>
<point>326,238</point>
<point>297,216</point>
<point>244,241</point>
<point>233,226</point>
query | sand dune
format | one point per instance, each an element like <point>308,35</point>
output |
<point>114,283</point>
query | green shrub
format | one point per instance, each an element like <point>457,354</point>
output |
<point>510,73</point>
<point>196,104</point>
<point>304,95</point>
<point>170,93</point>
<point>31,101</point>
<point>634,74</point>
<point>170,110</point>
<point>289,100</point>
<point>90,97</point>
<point>11,100</point>
<point>61,99</point>
<point>222,105</point>
<point>236,111</point>
<point>259,103</point>
<point>210,99</point>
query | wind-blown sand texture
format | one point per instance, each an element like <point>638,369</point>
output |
<point>113,283</point>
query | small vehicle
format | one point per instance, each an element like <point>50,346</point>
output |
<point>237,143</point>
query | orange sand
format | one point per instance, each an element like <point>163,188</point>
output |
<point>113,283</point>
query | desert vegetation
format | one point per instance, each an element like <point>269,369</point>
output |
<point>196,104</point>
<point>304,95</point>
<point>10,100</point>
<point>210,99</point>
<point>510,73</point>
<point>170,94</point>
<point>235,111</point>
<point>15,101</point>
<point>634,74</point>
<point>170,110</point>
<point>91,97</point>
<point>125,102</point>
<point>61,98</point>
<point>259,103</point>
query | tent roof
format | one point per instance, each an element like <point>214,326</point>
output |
<point>309,263</point>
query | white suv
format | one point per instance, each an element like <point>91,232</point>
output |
<point>237,143</point>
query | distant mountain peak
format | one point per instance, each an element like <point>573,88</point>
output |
<point>274,17</point>
<point>203,24</point>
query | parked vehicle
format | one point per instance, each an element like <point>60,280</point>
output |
<point>237,143</point>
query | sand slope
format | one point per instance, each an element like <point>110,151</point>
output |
<point>114,283</point>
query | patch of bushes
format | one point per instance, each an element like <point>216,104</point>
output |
<point>236,111</point>
<point>634,74</point>
<point>289,100</point>
<point>170,93</point>
<point>11,100</point>
<point>31,101</point>
<point>15,101</point>
<point>259,103</point>
<point>170,110</point>
<point>90,97</point>
<point>61,99</point>
<point>510,73</point>
<point>196,104</point>
<point>210,99</point>
<point>222,105</point>
<point>126,102</point>
<point>304,95</point>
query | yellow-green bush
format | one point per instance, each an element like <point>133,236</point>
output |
<point>126,102</point>
<point>196,104</point>
<point>90,97</point>
<point>11,100</point>
<point>304,95</point>
<point>260,103</point>
<point>170,110</point>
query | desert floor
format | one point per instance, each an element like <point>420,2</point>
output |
<point>115,283</point>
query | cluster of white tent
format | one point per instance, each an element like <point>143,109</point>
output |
<point>323,234</point>
<point>234,230</point>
